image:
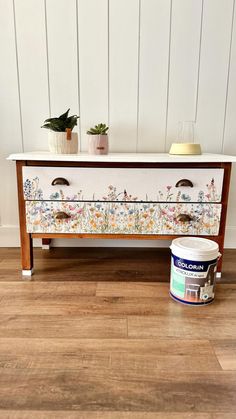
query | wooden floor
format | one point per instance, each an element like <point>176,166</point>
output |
<point>94,335</point>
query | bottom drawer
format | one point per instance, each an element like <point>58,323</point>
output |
<point>122,217</point>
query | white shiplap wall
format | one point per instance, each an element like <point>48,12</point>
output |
<point>138,65</point>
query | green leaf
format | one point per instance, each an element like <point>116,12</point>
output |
<point>50,119</point>
<point>47,126</point>
<point>64,115</point>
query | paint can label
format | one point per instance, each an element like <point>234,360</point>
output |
<point>192,282</point>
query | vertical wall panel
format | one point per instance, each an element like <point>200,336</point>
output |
<point>93,59</point>
<point>10,129</point>
<point>229,145</point>
<point>62,54</point>
<point>153,74</point>
<point>216,33</point>
<point>123,55</point>
<point>185,42</point>
<point>31,41</point>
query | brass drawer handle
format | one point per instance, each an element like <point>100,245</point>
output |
<point>61,215</point>
<point>184,218</point>
<point>60,181</point>
<point>184,182</point>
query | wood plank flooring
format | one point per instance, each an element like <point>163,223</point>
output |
<point>95,335</point>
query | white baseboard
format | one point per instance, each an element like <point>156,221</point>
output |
<point>9,237</point>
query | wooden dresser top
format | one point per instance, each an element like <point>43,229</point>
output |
<point>122,157</point>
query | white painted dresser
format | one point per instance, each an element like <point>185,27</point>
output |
<point>136,196</point>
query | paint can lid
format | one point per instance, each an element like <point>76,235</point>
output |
<point>195,248</point>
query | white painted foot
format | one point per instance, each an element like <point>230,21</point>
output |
<point>27,272</point>
<point>45,246</point>
<point>218,274</point>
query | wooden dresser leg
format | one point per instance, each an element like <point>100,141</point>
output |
<point>27,254</point>
<point>46,244</point>
<point>220,261</point>
<point>225,197</point>
<point>25,238</point>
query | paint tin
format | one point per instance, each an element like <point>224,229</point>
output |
<point>193,270</point>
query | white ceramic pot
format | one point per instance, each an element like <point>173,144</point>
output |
<point>98,144</point>
<point>58,143</point>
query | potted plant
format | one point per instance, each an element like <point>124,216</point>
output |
<point>61,139</point>
<point>98,139</point>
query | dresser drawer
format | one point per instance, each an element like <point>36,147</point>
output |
<point>122,218</point>
<point>122,184</point>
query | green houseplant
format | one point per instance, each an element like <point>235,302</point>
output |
<point>61,139</point>
<point>98,139</point>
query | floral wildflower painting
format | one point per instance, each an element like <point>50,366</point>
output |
<point>118,211</point>
<point>122,218</point>
<point>32,191</point>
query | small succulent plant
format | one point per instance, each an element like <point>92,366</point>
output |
<point>62,123</point>
<point>100,129</point>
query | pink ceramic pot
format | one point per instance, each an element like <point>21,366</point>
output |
<point>98,144</point>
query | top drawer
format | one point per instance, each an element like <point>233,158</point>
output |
<point>122,184</point>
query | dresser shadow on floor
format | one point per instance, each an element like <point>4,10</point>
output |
<point>103,264</point>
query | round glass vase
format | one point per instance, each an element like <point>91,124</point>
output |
<point>185,144</point>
